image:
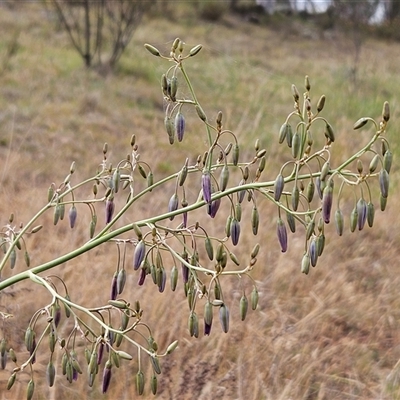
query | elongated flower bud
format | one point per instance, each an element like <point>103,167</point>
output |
<point>295,197</point>
<point>282,234</point>
<point>374,163</point>
<point>235,231</point>
<point>278,187</point>
<point>296,142</point>
<point>254,298</point>
<point>50,373</point>
<point>121,279</point>
<point>282,132</point>
<point>72,214</point>
<point>310,191</point>
<point>384,183</point>
<point>174,278</point>
<point>110,206</point>
<point>224,178</point>
<point>206,186</point>
<point>330,135</point>
<point>213,207</point>
<point>362,213</point>
<point>353,219</point>
<point>30,389</point>
<point>327,198</point>
<point>106,377</point>
<point>370,214</point>
<point>243,307</point>
<point>291,221</point>
<point>313,252</point>
<point>386,111</point>
<point>387,160</point>
<point>339,222</point>
<point>193,51</point>
<point>179,126</point>
<point>152,50</point>
<point>114,291</point>
<point>139,254</point>
<point>305,263</point>
<point>193,324</point>
<point>224,317</point>
<point>360,123</point>
<point>321,103</point>
<point>173,204</point>
<point>235,154</point>
<point>255,220</point>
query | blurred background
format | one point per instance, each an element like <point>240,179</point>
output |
<point>75,74</point>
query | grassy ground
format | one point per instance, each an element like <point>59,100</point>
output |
<point>331,335</point>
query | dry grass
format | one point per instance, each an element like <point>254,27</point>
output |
<point>331,335</point>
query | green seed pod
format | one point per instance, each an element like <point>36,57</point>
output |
<point>339,222</point>
<point>321,103</point>
<point>234,259</point>
<point>360,123</point>
<point>305,263</point>
<point>255,220</point>
<point>64,360</point>
<point>173,88</point>
<point>243,306</point>
<point>370,214</point>
<point>329,134</point>
<point>13,258</point>
<point>164,87</point>
<point>174,278</point>
<point>169,127</point>
<point>384,183</point>
<point>208,313</point>
<point>50,373</point>
<point>255,251</point>
<point>52,340</point>
<point>325,170</point>
<point>57,213</point>
<point>11,380</point>
<point>193,324</point>
<point>254,298</point>
<point>92,226</point>
<point>140,382</point>
<point>235,154</point>
<point>200,113</point>
<point>291,221</point>
<point>295,198</point>
<point>152,50</point>
<point>153,384</point>
<point>224,317</point>
<point>30,389</point>
<point>320,244</point>
<point>296,143</point>
<point>193,51</point>
<point>310,229</point>
<point>387,160</point>
<point>224,178</point>
<point>353,219</point>
<point>278,187</point>
<point>29,339</point>
<point>12,354</point>
<point>374,163</point>
<point>209,248</point>
<point>283,132</point>
<point>228,226</point>
<point>155,362</point>
<point>383,202</point>
<point>386,112</point>
<point>92,367</point>
<point>310,191</point>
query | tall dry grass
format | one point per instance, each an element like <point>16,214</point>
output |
<point>331,335</point>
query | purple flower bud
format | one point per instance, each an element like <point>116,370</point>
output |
<point>179,126</point>
<point>207,329</point>
<point>362,213</point>
<point>213,207</point>
<point>282,234</point>
<point>110,206</point>
<point>139,254</point>
<point>74,374</point>
<point>142,276</point>
<point>327,197</point>
<point>206,186</point>
<point>72,214</point>
<point>106,378</point>
<point>235,231</point>
<point>100,353</point>
<point>185,269</point>
<point>313,252</point>
<point>114,290</point>
<point>184,219</point>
